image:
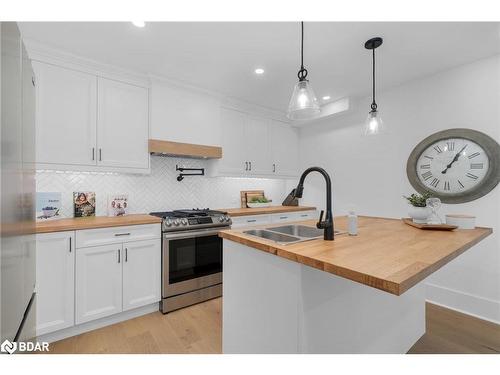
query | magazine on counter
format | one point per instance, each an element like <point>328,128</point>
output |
<point>118,204</point>
<point>84,203</point>
<point>48,206</point>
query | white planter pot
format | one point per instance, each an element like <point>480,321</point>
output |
<point>419,214</point>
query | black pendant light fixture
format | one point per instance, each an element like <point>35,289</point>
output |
<point>303,103</point>
<point>374,124</point>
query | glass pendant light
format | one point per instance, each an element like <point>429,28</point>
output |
<point>303,103</point>
<point>374,124</point>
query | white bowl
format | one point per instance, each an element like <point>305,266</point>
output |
<point>462,221</point>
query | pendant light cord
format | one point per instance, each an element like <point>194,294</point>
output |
<point>302,74</point>
<point>302,47</point>
<point>374,104</point>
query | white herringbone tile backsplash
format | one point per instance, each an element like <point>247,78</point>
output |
<point>158,191</point>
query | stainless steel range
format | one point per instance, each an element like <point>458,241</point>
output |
<point>191,256</point>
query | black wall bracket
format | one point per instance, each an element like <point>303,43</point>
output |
<point>180,177</point>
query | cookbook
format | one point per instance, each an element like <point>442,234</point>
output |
<point>48,205</point>
<point>118,204</point>
<point>84,203</point>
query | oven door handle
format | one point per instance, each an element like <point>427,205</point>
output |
<point>198,233</point>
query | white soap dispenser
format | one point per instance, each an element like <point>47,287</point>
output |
<point>352,223</point>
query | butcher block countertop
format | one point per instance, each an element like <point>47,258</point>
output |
<point>79,223</point>
<point>265,210</point>
<point>386,254</point>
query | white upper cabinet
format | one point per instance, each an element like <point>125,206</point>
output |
<point>284,143</point>
<point>86,122</point>
<point>65,115</point>
<point>257,146</point>
<point>122,125</point>
<point>186,116</point>
<point>233,143</point>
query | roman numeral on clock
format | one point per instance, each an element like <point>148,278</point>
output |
<point>438,149</point>
<point>476,165</point>
<point>427,175</point>
<point>472,156</point>
<point>446,185</point>
<point>460,183</point>
<point>435,182</point>
<point>428,157</point>
<point>451,146</point>
<point>473,176</point>
<point>425,166</point>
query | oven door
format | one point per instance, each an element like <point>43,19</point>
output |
<point>191,261</point>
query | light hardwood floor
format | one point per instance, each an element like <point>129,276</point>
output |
<point>198,329</point>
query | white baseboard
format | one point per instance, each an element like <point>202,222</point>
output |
<point>470,304</point>
<point>99,323</point>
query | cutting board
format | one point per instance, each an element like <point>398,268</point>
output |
<point>409,221</point>
<point>247,195</point>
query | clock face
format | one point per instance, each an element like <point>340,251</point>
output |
<point>452,166</point>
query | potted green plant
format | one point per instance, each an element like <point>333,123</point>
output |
<point>419,211</point>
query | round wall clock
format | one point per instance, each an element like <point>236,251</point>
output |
<point>455,165</point>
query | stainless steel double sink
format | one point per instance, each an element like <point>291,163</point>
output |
<point>288,234</point>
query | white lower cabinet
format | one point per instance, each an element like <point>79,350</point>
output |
<point>98,282</point>
<point>141,273</point>
<point>77,284</point>
<point>55,284</point>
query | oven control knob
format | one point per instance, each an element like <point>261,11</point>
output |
<point>184,222</point>
<point>227,218</point>
<point>168,223</point>
<point>221,219</point>
<point>176,222</point>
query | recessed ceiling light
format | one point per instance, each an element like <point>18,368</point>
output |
<point>139,23</point>
<point>326,97</point>
<point>259,71</point>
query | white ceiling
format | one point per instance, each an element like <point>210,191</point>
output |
<point>222,56</point>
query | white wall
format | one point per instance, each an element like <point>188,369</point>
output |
<point>369,173</point>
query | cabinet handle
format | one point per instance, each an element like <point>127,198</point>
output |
<point>246,166</point>
<point>119,255</point>
<point>274,168</point>
<point>122,234</point>
<point>33,81</point>
<point>250,163</point>
<point>283,217</point>
<point>70,244</point>
<point>251,221</point>
<point>126,254</point>
<point>100,154</point>
<point>93,153</point>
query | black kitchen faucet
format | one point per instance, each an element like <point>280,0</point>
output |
<point>327,224</point>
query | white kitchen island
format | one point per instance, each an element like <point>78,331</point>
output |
<point>333,297</point>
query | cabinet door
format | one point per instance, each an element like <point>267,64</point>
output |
<point>122,125</point>
<point>284,145</point>
<point>55,281</point>
<point>98,282</point>
<point>141,273</point>
<point>65,114</point>
<point>232,142</point>
<point>257,146</point>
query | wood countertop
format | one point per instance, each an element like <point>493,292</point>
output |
<point>79,223</point>
<point>386,254</point>
<point>265,210</point>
